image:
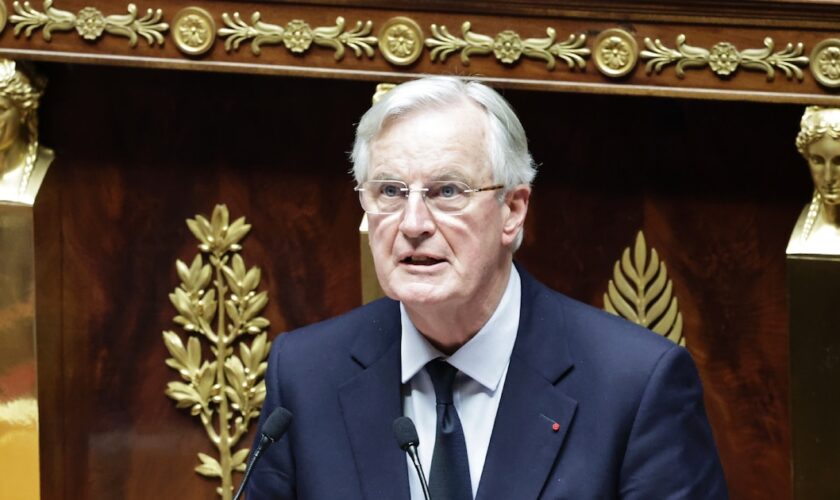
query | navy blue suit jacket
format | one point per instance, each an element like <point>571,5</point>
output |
<point>629,405</point>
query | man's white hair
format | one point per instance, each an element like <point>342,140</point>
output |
<point>507,145</point>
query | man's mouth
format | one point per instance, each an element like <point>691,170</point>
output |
<point>421,260</point>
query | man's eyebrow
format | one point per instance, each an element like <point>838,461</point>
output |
<point>449,174</point>
<point>385,176</point>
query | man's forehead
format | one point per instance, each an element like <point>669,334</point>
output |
<point>461,111</point>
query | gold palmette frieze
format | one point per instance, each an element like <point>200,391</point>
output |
<point>89,22</point>
<point>227,391</point>
<point>297,36</point>
<point>507,46</point>
<point>641,292</point>
<point>724,58</point>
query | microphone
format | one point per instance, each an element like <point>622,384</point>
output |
<point>406,435</point>
<point>273,429</point>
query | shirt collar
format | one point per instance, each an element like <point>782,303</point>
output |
<point>484,358</point>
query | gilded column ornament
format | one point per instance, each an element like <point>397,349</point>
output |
<point>641,292</point>
<point>401,41</point>
<point>23,163</point>
<point>381,90</point>
<point>297,36</point>
<point>616,53</point>
<point>22,167</point>
<point>724,58</point>
<point>227,391</point>
<point>817,231</point>
<point>194,30</point>
<point>4,15</point>
<point>507,46</point>
<point>825,62</point>
<point>89,23</point>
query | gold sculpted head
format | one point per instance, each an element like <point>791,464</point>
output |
<point>19,96</point>
<point>819,142</point>
<point>817,231</point>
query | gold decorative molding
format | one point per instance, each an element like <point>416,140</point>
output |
<point>508,46</point>
<point>616,52</point>
<point>825,63</point>
<point>297,36</point>
<point>641,292</point>
<point>4,15</point>
<point>401,41</point>
<point>194,30</point>
<point>89,23</point>
<point>724,58</point>
<point>227,391</point>
<point>381,90</point>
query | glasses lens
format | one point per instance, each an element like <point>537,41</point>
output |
<point>383,197</point>
<point>448,196</point>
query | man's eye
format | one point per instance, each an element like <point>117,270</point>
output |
<point>448,190</point>
<point>390,190</point>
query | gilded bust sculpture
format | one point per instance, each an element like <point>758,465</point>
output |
<point>23,163</point>
<point>818,229</point>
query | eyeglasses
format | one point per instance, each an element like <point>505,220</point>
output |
<point>390,197</point>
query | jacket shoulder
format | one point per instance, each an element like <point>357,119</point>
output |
<point>600,345</point>
<point>378,318</point>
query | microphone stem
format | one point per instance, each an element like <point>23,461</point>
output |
<point>263,440</point>
<point>415,459</point>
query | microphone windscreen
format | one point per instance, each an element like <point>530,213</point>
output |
<point>405,432</point>
<point>277,423</point>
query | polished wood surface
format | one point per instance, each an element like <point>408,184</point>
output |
<point>715,186</point>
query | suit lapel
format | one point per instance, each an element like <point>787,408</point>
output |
<point>370,402</point>
<point>534,416</point>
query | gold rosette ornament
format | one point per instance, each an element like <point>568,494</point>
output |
<point>227,390</point>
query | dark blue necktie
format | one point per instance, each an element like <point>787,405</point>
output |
<point>449,478</point>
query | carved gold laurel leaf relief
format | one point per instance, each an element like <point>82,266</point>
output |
<point>227,390</point>
<point>297,36</point>
<point>724,58</point>
<point>508,46</point>
<point>641,292</point>
<point>90,23</point>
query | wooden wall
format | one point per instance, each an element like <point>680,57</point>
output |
<point>716,186</point>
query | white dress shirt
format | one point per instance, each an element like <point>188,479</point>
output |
<point>482,365</point>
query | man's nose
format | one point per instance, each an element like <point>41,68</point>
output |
<point>417,220</point>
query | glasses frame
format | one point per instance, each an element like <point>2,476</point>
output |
<point>423,190</point>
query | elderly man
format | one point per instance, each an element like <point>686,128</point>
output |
<point>517,391</point>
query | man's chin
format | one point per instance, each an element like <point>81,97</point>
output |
<point>419,294</point>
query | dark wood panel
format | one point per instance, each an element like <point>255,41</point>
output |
<point>140,153</point>
<point>718,206</point>
<point>715,186</point>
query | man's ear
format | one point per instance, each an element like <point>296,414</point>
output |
<point>516,204</point>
